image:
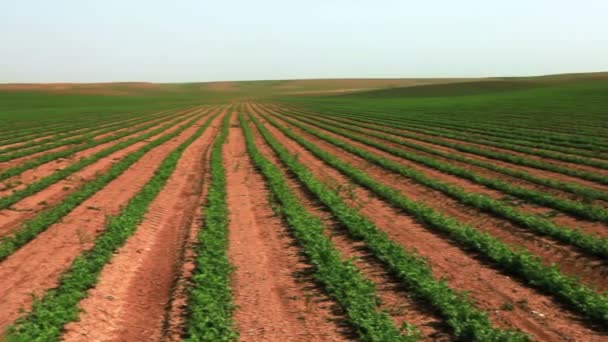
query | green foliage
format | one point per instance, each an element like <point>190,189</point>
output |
<point>210,304</point>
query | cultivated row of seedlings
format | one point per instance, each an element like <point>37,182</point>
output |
<point>15,134</point>
<point>390,135</point>
<point>584,138</point>
<point>467,322</point>
<point>85,139</point>
<point>413,133</point>
<point>66,153</point>
<point>44,182</point>
<point>210,304</point>
<point>512,139</point>
<point>507,137</point>
<point>80,133</point>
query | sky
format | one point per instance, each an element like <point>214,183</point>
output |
<point>201,40</point>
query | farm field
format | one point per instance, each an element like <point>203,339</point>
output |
<point>306,210</point>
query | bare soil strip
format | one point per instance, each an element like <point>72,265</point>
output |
<point>130,301</point>
<point>592,270</point>
<point>31,205</point>
<point>273,305</point>
<point>395,299</point>
<point>508,302</point>
<point>36,266</point>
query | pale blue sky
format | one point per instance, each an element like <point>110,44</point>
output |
<point>188,40</point>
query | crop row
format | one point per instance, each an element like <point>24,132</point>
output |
<point>519,262</point>
<point>47,181</point>
<point>59,306</point>
<point>80,131</point>
<point>484,128</point>
<point>69,128</point>
<point>81,139</point>
<point>510,158</point>
<point>467,322</point>
<point>582,210</point>
<point>30,229</point>
<point>12,134</point>
<point>210,303</point>
<point>342,280</point>
<point>506,144</point>
<point>494,123</point>
<point>45,158</point>
<point>506,136</point>
<point>589,194</point>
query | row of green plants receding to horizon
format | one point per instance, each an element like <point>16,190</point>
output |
<point>79,129</point>
<point>546,151</point>
<point>15,134</point>
<point>488,153</point>
<point>467,322</point>
<point>66,153</point>
<point>31,228</point>
<point>79,139</point>
<point>519,262</point>
<point>383,133</point>
<point>59,306</point>
<point>210,304</point>
<point>44,182</point>
<point>530,136</point>
<point>544,127</point>
<point>591,244</point>
<point>528,141</point>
